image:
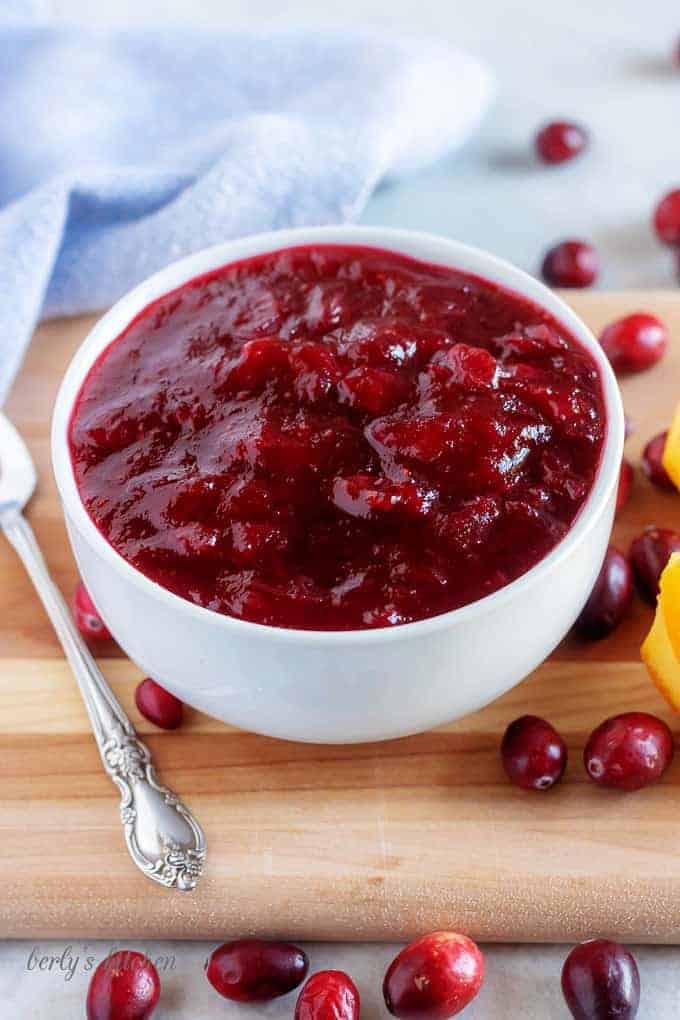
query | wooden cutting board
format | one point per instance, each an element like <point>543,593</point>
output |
<point>363,842</point>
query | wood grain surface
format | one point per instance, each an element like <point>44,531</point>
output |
<point>365,842</point>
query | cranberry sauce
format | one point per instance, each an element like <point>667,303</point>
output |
<point>337,438</point>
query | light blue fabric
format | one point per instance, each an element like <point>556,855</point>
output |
<point>122,151</point>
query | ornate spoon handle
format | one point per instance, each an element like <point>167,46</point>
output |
<point>163,838</point>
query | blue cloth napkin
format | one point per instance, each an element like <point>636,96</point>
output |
<point>121,151</point>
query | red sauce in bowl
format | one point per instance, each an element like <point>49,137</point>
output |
<point>337,438</point>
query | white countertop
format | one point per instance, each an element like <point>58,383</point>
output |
<point>605,64</point>
<point>522,983</point>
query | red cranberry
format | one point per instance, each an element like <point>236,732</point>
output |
<point>652,462</point>
<point>254,970</point>
<point>610,598</point>
<point>634,342</point>
<point>624,486</point>
<point>88,620</point>
<point>560,141</point>
<point>125,986</point>
<point>533,753</point>
<point>434,978</point>
<point>649,554</point>
<point>667,218</point>
<point>571,264</point>
<point>629,751</point>
<point>328,995</point>
<point>158,705</point>
<point>600,981</point>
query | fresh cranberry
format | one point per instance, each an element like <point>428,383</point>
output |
<point>434,977</point>
<point>667,218</point>
<point>254,970</point>
<point>328,995</point>
<point>533,753</point>
<point>649,554</point>
<point>600,981</point>
<point>158,705</point>
<point>634,342</point>
<point>624,486</point>
<point>125,986</point>
<point>610,598</point>
<point>652,462</point>
<point>88,620</point>
<point>560,141</point>
<point>571,264</point>
<point>629,751</point>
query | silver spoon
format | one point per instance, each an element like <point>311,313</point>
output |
<point>163,838</point>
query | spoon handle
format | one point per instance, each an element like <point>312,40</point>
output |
<point>163,838</point>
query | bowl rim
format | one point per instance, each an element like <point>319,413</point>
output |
<point>416,244</point>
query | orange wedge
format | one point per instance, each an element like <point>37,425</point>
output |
<point>661,648</point>
<point>671,451</point>
<point>669,600</point>
<point>659,658</point>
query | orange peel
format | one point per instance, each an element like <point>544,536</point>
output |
<point>661,648</point>
<point>669,600</point>
<point>671,450</point>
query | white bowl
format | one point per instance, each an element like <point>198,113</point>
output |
<point>340,687</point>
